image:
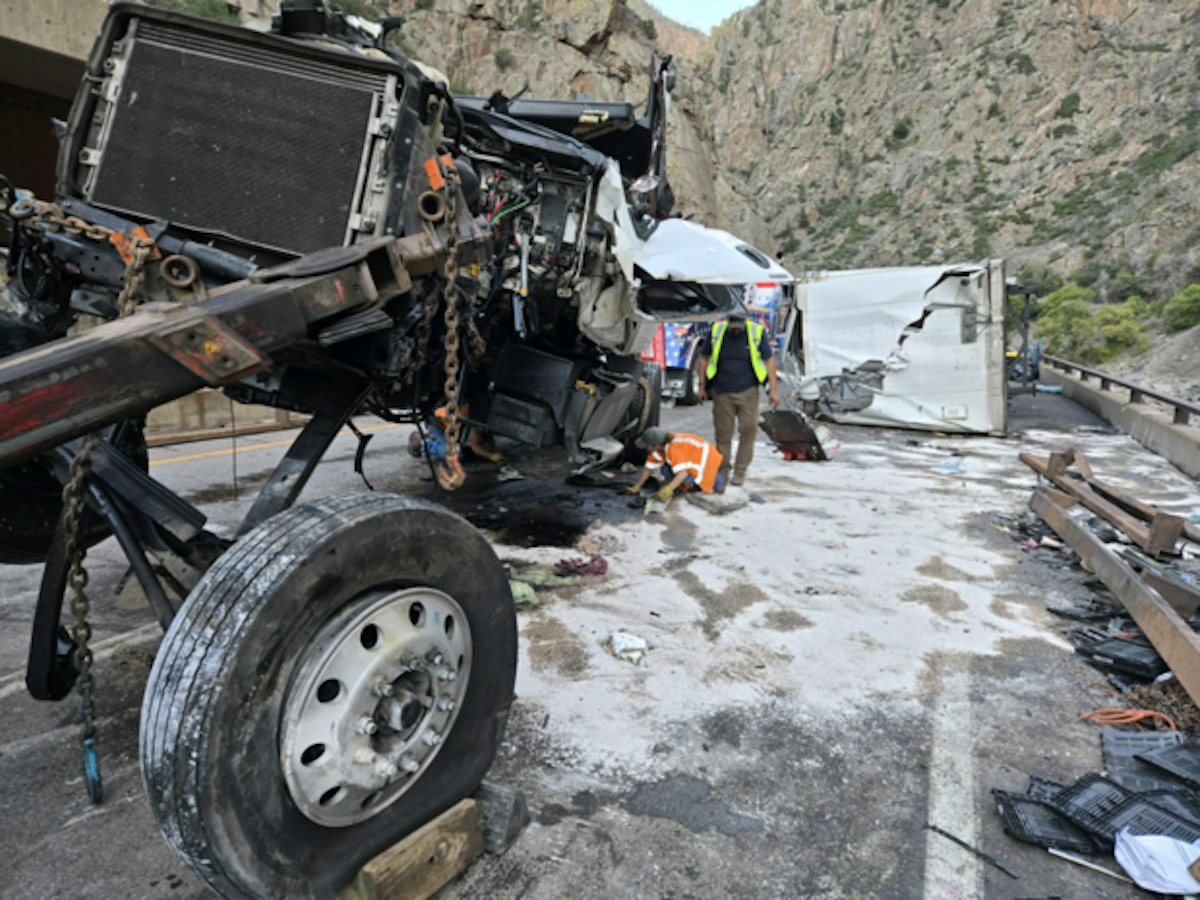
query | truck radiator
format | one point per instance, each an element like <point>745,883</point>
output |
<point>225,137</point>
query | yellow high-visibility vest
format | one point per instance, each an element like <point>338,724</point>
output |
<point>755,332</point>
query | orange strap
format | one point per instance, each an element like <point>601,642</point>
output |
<point>1114,715</point>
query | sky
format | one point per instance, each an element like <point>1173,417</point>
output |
<point>701,14</point>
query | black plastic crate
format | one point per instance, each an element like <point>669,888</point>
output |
<point>1133,657</point>
<point>1139,816</point>
<point>1042,788</point>
<point>1088,800</point>
<point>1179,801</point>
<point>1182,761</point>
<point>1028,819</point>
<point>1120,750</point>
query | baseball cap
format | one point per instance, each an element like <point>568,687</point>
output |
<point>655,435</point>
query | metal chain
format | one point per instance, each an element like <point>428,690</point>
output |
<point>453,426</point>
<point>135,250</point>
<point>81,630</point>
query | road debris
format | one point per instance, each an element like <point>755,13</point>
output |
<point>1153,530</point>
<point>799,438</point>
<point>523,594</point>
<point>717,504</point>
<point>955,465</point>
<point>626,646</point>
<point>1088,865</point>
<point>1157,862</point>
<point>987,859</point>
<point>596,565</point>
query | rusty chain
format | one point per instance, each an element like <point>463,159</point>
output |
<point>453,426</point>
<point>135,250</point>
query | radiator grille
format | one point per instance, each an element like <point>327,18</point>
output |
<point>229,138</point>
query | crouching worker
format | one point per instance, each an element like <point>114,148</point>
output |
<point>681,460</point>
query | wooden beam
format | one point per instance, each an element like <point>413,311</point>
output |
<point>424,862</point>
<point>1158,536</point>
<point>1171,636</point>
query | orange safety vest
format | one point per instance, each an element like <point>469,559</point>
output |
<point>691,454</point>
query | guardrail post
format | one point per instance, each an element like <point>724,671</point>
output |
<point>1105,384</point>
<point>1181,415</point>
<point>1135,396</point>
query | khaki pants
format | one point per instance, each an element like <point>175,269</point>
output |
<point>743,408</point>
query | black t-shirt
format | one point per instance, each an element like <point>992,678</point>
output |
<point>735,371</point>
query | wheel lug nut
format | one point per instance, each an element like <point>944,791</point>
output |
<point>366,725</point>
<point>364,756</point>
<point>434,657</point>
<point>382,689</point>
<point>432,738</point>
<point>445,704</point>
<point>385,768</point>
<point>445,673</point>
<point>408,764</point>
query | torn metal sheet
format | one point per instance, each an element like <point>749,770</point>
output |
<point>917,347</point>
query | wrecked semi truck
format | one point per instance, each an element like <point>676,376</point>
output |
<point>308,220</point>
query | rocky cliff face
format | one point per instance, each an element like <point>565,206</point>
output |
<point>1063,136</point>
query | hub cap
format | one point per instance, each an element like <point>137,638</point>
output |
<point>375,693</point>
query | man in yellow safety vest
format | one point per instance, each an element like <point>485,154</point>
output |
<point>734,360</point>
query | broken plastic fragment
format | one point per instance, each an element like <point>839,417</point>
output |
<point>955,465</point>
<point>626,646</point>
<point>523,594</point>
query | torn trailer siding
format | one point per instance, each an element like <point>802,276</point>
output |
<point>916,347</point>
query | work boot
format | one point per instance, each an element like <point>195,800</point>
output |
<point>738,479</point>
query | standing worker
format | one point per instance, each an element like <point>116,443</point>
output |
<point>734,360</point>
<point>681,460</point>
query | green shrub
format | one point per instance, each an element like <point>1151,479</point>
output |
<point>1119,328</point>
<point>503,58</point>
<point>1066,325</point>
<point>1183,310</point>
<point>1068,107</point>
<point>649,29</point>
<point>836,119</point>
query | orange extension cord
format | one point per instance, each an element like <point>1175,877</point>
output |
<point>1115,715</point>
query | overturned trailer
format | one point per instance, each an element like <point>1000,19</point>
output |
<point>913,347</point>
<point>307,219</point>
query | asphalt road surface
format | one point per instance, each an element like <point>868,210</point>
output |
<point>861,653</point>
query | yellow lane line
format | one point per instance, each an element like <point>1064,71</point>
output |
<point>253,446</point>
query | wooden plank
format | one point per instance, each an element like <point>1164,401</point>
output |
<point>424,862</point>
<point>1171,636</point>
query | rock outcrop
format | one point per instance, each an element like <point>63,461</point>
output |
<point>1063,136</point>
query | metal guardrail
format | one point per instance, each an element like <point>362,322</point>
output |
<point>1137,392</point>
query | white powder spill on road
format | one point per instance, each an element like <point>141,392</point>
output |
<point>840,587</point>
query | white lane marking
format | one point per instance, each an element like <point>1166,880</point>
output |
<point>14,682</point>
<point>952,873</point>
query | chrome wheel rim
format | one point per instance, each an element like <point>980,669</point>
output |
<point>375,693</point>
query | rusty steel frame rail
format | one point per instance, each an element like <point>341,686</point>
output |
<point>1155,536</point>
<point>1171,636</point>
<point>68,388</point>
<point>1183,409</point>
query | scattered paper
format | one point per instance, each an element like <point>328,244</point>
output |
<point>626,646</point>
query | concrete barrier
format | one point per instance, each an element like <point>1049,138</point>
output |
<point>1154,430</point>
